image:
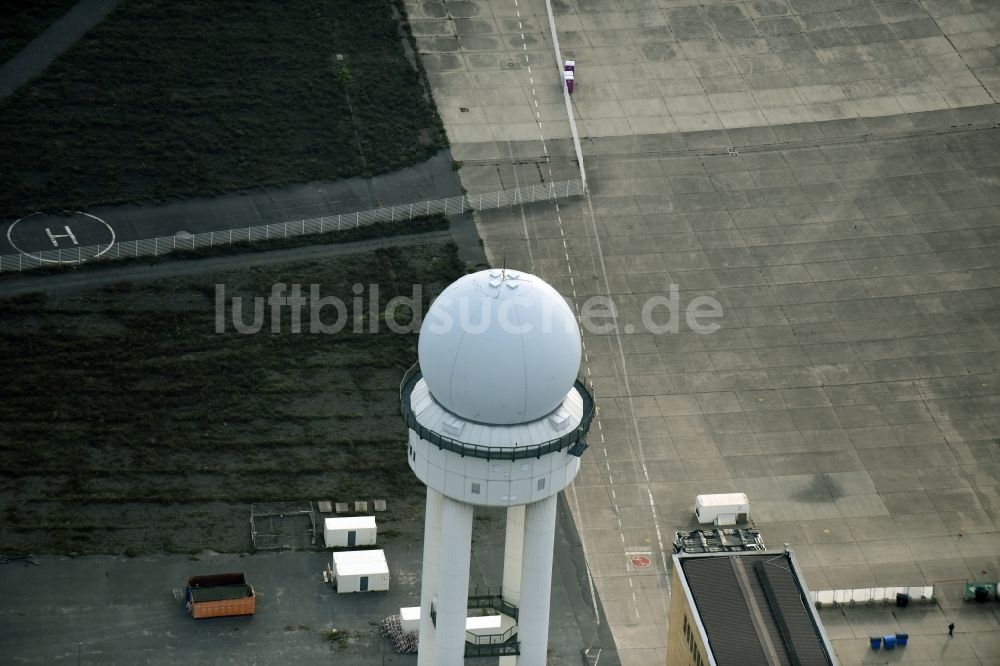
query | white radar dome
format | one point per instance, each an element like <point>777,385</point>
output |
<point>499,347</point>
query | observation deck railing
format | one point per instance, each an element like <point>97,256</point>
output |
<point>491,597</point>
<point>575,440</point>
<point>489,645</point>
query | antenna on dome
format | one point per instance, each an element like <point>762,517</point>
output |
<point>503,268</point>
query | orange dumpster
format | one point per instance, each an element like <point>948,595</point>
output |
<point>219,595</point>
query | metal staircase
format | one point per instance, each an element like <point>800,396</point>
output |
<point>494,645</point>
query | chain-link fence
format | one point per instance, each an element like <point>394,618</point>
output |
<point>282,525</point>
<point>151,247</point>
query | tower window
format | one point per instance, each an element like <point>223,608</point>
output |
<point>541,483</point>
<point>475,488</point>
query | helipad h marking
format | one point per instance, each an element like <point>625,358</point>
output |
<point>54,238</point>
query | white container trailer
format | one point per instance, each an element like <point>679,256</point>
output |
<point>723,509</point>
<point>478,625</point>
<point>350,532</point>
<point>360,571</point>
<point>409,619</point>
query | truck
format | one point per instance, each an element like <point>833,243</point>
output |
<point>723,509</point>
<point>219,595</point>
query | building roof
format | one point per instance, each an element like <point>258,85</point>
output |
<point>350,523</point>
<point>360,563</point>
<point>500,347</point>
<point>723,499</point>
<point>754,608</point>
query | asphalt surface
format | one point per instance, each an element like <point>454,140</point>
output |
<point>94,276</point>
<point>827,171</point>
<point>41,51</point>
<point>114,610</point>
<point>433,179</point>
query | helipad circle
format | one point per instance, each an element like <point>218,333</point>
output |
<point>38,254</point>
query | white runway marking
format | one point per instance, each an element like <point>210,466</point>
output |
<point>524,218</point>
<point>587,368</point>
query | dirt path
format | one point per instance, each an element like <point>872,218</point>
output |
<point>41,51</point>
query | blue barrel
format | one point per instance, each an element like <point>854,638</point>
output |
<point>876,642</point>
<point>901,639</point>
<point>889,641</point>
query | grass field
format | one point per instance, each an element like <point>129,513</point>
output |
<point>168,98</point>
<point>23,20</point>
<point>128,423</point>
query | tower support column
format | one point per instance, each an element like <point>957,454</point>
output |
<point>428,581</point>
<point>536,581</point>
<point>453,582</point>
<point>512,552</point>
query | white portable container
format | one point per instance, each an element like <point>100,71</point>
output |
<point>484,625</point>
<point>723,509</point>
<point>409,618</point>
<point>479,625</point>
<point>360,571</point>
<point>350,532</point>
